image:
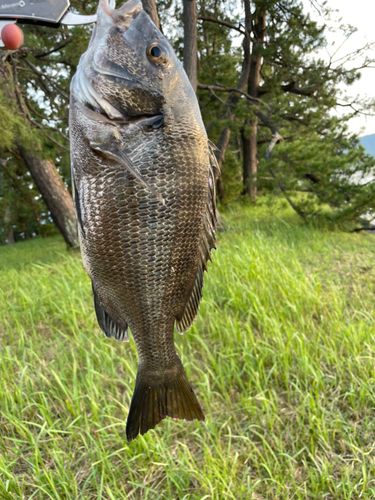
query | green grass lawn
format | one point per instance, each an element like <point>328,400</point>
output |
<point>282,359</point>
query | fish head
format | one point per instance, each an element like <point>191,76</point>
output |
<point>130,70</point>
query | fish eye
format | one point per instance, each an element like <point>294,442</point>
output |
<point>155,53</point>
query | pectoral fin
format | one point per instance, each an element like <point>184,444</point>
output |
<point>77,204</point>
<point>114,152</point>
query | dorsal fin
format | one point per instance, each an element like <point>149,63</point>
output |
<point>208,241</point>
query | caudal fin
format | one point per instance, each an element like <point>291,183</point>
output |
<point>157,395</point>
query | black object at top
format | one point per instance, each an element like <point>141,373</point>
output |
<point>41,10</point>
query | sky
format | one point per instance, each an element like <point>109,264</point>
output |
<point>361,15</point>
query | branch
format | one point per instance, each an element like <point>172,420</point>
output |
<point>40,74</point>
<point>290,118</point>
<point>276,137</point>
<point>350,55</point>
<point>218,98</point>
<point>58,144</point>
<point>290,87</point>
<point>238,28</point>
<point>39,115</point>
<point>28,104</point>
<point>282,187</point>
<point>266,141</point>
<point>3,72</point>
<point>39,126</point>
<point>54,49</point>
<point>17,89</point>
<point>27,115</point>
<point>267,122</point>
<point>221,88</point>
<point>356,111</point>
<point>232,99</point>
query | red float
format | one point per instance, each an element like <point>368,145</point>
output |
<point>12,36</point>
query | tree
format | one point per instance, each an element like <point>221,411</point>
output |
<point>249,133</point>
<point>43,172</point>
<point>190,53</point>
<point>22,210</point>
<point>150,7</point>
<point>55,194</point>
<point>290,96</point>
<point>35,90</point>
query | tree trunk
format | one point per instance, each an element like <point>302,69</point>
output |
<point>249,136</point>
<point>233,99</point>
<point>149,6</point>
<point>8,222</point>
<point>190,41</point>
<point>222,145</point>
<point>55,194</point>
<point>250,158</point>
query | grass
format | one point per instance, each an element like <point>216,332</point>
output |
<point>282,359</point>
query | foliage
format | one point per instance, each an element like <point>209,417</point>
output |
<point>298,95</point>
<point>21,205</point>
<point>34,106</point>
<point>325,170</point>
<point>281,356</point>
<point>298,92</point>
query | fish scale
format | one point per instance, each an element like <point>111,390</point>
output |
<point>143,175</point>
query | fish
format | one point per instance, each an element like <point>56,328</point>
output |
<point>143,177</point>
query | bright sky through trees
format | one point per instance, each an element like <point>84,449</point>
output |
<point>359,15</point>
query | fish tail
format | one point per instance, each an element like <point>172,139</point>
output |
<point>157,395</point>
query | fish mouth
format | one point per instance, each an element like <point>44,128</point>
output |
<point>153,121</point>
<point>145,121</point>
<point>122,17</point>
<point>150,122</point>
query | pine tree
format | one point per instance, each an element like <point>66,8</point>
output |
<point>35,91</point>
<point>289,100</point>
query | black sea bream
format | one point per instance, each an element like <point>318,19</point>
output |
<point>143,175</point>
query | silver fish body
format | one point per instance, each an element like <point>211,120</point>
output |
<point>143,175</point>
